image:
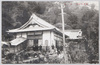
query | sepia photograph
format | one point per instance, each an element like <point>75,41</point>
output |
<point>50,32</point>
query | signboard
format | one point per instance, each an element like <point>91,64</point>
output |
<point>33,37</point>
<point>35,33</point>
<point>30,33</point>
<point>38,33</point>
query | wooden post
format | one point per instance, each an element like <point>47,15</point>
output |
<point>63,28</point>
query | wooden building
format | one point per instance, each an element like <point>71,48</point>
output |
<point>74,34</point>
<point>36,32</point>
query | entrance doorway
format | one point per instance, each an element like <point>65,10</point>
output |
<point>34,41</point>
<point>35,46</point>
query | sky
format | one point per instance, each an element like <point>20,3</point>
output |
<point>89,3</point>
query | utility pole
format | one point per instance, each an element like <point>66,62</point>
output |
<point>63,29</point>
<point>62,6</point>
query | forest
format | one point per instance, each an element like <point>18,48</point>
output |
<point>16,13</point>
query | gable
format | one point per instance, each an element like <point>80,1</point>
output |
<point>35,26</point>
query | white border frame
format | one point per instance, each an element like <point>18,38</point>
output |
<point>44,0</point>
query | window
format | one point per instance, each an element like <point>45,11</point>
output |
<point>30,43</point>
<point>18,35</point>
<point>46,42</point>
<point>30,33</point>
